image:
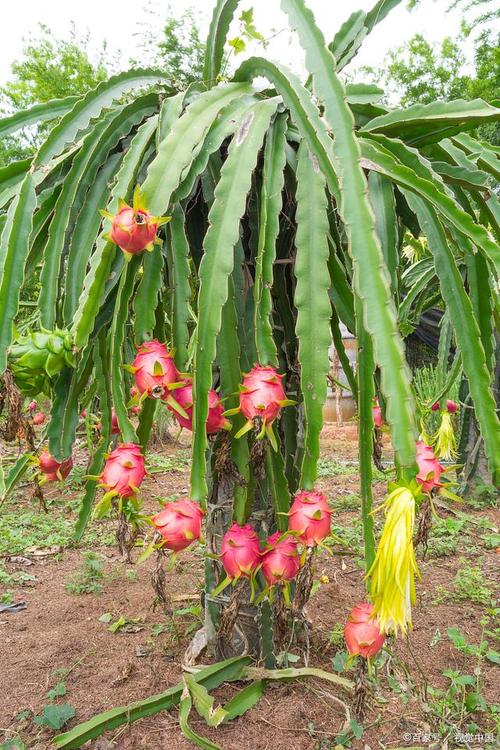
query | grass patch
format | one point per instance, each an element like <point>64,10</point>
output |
<point>90,578</point>
<point>469,585</point>
<point>22,527</point>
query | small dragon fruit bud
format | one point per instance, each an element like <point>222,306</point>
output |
<point>362,635</point>
<point>309,516</point>
<point>124,470</point>
<point>378,419</point>
<point>429,468</point>
<point>179,523</point>
<point>451,406</point>
<point>184,398</point>
<point>38,418</point>
<point>240,551</point>
<point>32,406</point>
<point>133,228</point>
<point>154,369</point>
<point>83,413</point>
<point>280,560</point>
<point>134,394</point>
<point>115,427</point>
<point>52,470</point>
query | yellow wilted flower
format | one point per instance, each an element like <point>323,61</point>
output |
<point>445,442</point>
<point>393,571</point>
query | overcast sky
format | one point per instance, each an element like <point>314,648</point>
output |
<point>118,22</point>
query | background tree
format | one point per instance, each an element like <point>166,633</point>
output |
<point>420,72</point>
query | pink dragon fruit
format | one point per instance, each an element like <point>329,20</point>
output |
<point>280,560</point>
<point>124,470</point>
<point>179,523</point>
<point>32,406</point>
<point>362,635</point>
<point>429,468</point>
<point>154,369</point>
<point>309,517</point>
<point>133,228</point>
<point>262,394</point>
<point>451,406</point>
<point>215,420</point>
<point>261,399</point>
<point>240,551</point>
<point>52,470</point>
<point>38,418</point>
<point>378,419</point>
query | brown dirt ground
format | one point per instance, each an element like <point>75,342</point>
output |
<point>60,630</point>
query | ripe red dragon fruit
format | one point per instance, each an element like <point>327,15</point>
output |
<point>261,398</point>
<point>38,418</point>
<point>309,516</point>
<point>362,635</point>
<point>240,551</point>
<point>179,523</point>
<point>52,470</point>
<point>429,468</point>
<point>32,406</point>
<point>133,228</point>
<point>154,369</point>
<point>451,406</point>
<point>215,420</point>
<point>124,470</point>
<point>378,419</point>
<point>281,559</point>
<point>262,394</point>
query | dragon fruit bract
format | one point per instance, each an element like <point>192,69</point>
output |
<point>124,470</point>
<point>310,517</point>
<point>362,635</point>
<point>179,523</point>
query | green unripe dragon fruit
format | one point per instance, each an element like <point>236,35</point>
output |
<point>35,359</point>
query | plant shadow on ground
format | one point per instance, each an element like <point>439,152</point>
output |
<point>89,617</point>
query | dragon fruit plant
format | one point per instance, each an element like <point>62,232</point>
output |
<point>283,213</point>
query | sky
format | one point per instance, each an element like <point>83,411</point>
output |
<point>119,23</point>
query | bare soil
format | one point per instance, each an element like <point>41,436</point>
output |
<point>60,630</point>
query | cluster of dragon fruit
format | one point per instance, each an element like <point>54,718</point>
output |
<point>36,358</point>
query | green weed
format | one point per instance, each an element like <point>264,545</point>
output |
<point>89,579</point>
